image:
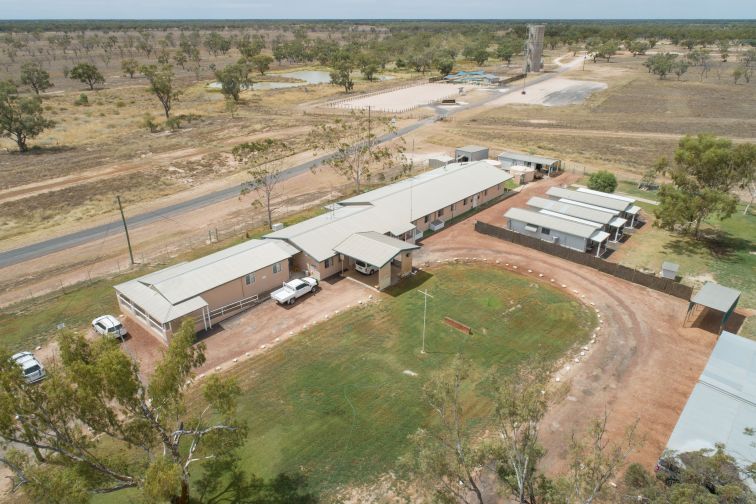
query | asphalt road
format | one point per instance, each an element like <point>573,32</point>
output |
<point>43,248</point>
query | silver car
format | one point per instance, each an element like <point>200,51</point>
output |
<point>31,368</point>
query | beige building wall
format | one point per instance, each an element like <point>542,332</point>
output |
<point>460,207</point>
<point>303,262</point>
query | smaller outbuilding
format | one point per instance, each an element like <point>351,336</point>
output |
<point>715,297</point>
<point>669,270</point>
<point>542,165</point>
<point>439,161</point>
<point>470,153</point>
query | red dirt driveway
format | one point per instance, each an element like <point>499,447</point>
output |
<point>254,330</point>
<point>643,365</point>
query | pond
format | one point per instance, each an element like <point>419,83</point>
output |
<point>305,77</point>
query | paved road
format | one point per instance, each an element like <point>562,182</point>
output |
<point>40,249</point>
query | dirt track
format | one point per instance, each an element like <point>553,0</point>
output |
<point>644,364</point>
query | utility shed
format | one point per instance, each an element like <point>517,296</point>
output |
<point>470,153</point>
<point>723,403</point>
<point>669,270</point>
<point>439,160</point>
<point>568,233</point>
<point>715,297</point>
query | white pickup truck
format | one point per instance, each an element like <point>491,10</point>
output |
<point>294,289</point>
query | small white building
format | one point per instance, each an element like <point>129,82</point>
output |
<point>542,165</point>
<point>470,153</point>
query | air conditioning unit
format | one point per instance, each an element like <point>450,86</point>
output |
<point>278,226</point>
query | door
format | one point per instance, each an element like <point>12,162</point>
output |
<point>475,201</point>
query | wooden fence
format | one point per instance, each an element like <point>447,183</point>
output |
<point>664,285</point>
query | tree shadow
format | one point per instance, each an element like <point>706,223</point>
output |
<point>721,245</point>
<point>39,150</point>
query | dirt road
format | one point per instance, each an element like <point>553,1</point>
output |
<point>644,364</point>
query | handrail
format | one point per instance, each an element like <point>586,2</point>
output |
<point>236,305</point>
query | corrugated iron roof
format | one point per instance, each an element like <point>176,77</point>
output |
<point>532,158</point>
<point>580,212</point>
<point>723,403</point>
<point>549,221</point>
<point>373,248</point>
<point>393,208</point>
<point>589,198</point>
<point>716,296</point>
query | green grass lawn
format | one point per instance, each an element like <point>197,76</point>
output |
<point>335,403</point>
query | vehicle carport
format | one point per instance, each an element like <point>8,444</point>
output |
<point>715,297</point>
<point>380,251</point>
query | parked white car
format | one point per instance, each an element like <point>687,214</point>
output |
<point>365,268</point>
<point>294,289</point>
<point>32,369</point>
<point>108,325</point>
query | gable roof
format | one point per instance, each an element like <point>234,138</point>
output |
<point>532,158</point>
<point>392,208</point>
<point>373,248</point>
<point>186,280</point>
<point>589,198</point>
<point>571,210</point>
<point>549,221</point>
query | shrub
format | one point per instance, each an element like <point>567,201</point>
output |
<point>148,121</point>
<point>82,100</point>
<point>603,181</point>
<point>174,123</point>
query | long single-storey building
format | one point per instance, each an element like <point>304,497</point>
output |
<point>378,228</point>
<point>566,231</point>
<point>624,206</point>
<point>403,211</point>
<point>206,290</point>
<point>608,219</point>
<point>543,165</point>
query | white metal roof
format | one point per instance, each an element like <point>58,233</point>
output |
<point>393,208</point>
<point>578,211</point>
<point>723,403</point>
<point>471,148</point>
<point>599,236</point>
<point>551,222</point>
<point>608,195</point>
<point>600,200</point>
<point>373,248</point>
<point>618,222</point>
<point>155,304</point>
<point>532,158</point>
<point>569,218</point>
<point>633,210</point>
<point>670,266</point>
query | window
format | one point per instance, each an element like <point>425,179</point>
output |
<point>328,262</point>
<point>464,202</point>
<point>485,192</point>
<point>441,212</point>
<point>498,187</point>
<point>277,268</point>
<point>426,219</point>
<point>250,279</point>
<point>545,231</point>
<point>452,207</point>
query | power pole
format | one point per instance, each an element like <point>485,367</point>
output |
<point>125,228</point>
<point>425,312</point>
<point>370,140</point>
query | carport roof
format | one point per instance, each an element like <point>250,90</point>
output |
<point>373,248</point>
<point>532,158</point>
<point>717,297</point>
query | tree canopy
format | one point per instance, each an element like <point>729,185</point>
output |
<point>21,117</point>
<point>88,74</point>
<point>161,85</point>
<point>34,76</point>
<point>705,171</point>
<point>603,181</point>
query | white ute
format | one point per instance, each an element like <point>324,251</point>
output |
<point>108,325</point>
<point>293,289</point>
<point>31,368</point>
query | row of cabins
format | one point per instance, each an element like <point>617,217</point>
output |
<point>523,167</point>
<point>380,228</point>
<point>581,219</point>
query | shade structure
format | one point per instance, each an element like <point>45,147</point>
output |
<point>716,297</point>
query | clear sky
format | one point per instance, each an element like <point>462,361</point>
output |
<point>378,9</point>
